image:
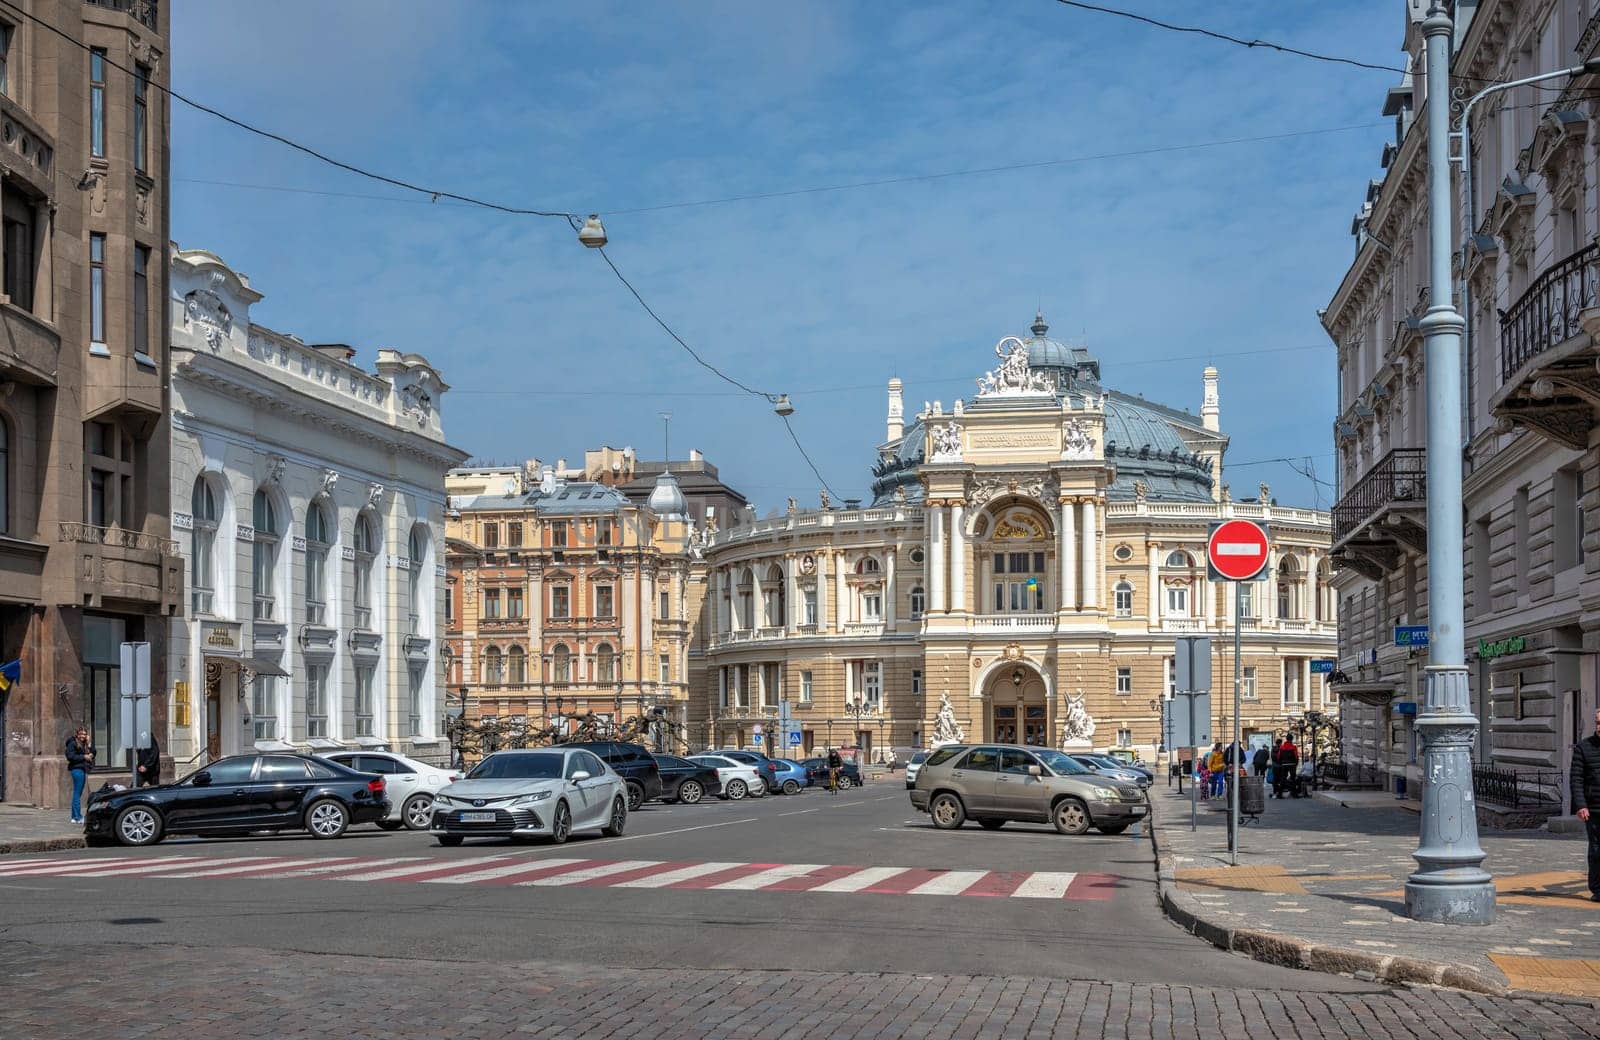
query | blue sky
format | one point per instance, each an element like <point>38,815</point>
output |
<point>618,105</point>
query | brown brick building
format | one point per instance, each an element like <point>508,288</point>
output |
<point>86,560</point>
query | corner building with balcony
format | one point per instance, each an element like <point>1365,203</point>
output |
<point>86,559</point>
<point>567,598</point>
<point>308,501</point>
<point>1029,559</point>
<point>1527,271</point>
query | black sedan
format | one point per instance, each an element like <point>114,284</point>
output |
<point>685,781</point>
<point>239,795</point>
<point>817,771</point>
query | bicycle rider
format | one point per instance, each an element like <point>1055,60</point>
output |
<point>835,763</point>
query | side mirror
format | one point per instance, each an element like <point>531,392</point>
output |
<point>580,775</point>
<point>202,778</point>
<point>1035,771</point>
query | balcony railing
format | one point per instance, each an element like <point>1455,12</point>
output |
<point>1547,314</point>
<point>863,628</point>
<point>1400,476</point>
<point>1183,624</point>
<point>89,534</point>
<point>1032,622</point>
<point>146,12</point>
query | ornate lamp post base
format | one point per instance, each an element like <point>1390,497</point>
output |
<point>1450,886</point>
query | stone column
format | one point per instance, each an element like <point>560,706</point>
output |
<point>1270,577</point>
<point>1208,599</point>
<point>838,593</point>
<point>791,594</point>
<point>936,558</point>
<point>1069,555</point>
<point>1305,682</point>
<point>1091,556</point>
<point>758,609</point>
<point>1153,579</point>
<point>889,589</point>
<point>958,561</point>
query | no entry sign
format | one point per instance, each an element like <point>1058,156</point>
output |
<point>1236,550</point>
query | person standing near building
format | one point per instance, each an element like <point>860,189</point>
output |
<point>1262,759</point>
<point>1284,767</point>
<point>80,759</point>
<point>1584,784</point>
<point>149,764</point>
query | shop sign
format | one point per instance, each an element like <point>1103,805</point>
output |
<point>1503,648</point>
<point>219,637</point>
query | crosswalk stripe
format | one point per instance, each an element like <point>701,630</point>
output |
<point>239,864</point>
<point>588,873</point>
<point>672,877</point>
<point>30,864</point>
<point>767,877</point>
<point>418,871</point>
<point>505,873</point>
<point>952,883</point>
<point>1044,884</point>
<point>334,868</point>
<point>860,879</point>
<point>148,867</point>
<point>36,869</point>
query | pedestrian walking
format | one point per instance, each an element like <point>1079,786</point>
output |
<point>148,770</point>
<point>1584,783</point>
<point>1286,764</point>
<point>1216,765</point>
<point>1261,761</point>
<point>80,759</point>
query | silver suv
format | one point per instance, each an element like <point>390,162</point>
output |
<point>993,783</point>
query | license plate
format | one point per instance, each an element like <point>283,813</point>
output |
<point>477,817</point>
<point>1138,810</point>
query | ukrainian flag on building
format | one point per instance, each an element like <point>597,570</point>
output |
<point>10,673</point>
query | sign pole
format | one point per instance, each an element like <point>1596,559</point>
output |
<point>1194,771</point>
<point>1233,770</point>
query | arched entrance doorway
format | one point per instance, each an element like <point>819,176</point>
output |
<point>1016,704</point>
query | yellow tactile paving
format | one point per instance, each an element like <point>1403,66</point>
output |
<point>1241,879</point>
<point>1567,889</point>
<point>1565,975</point>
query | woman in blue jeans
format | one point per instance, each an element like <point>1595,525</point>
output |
<point>80,759</point>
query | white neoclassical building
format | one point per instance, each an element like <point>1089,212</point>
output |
<point>308,497</point>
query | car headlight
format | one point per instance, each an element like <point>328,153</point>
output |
<point>443,800</point>
<point>1106,794</point>
<point>529,799</point>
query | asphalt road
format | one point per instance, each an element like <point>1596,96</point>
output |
<point>1109,928</point>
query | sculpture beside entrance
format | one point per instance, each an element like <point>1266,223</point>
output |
<point>946,730</point>
<point>1077,725</point>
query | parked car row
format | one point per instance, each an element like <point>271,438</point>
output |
<point>540,792</point>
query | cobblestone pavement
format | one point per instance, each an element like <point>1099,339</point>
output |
<point>26,829</point>
<point>175,993</point>
<point>1332,875</point>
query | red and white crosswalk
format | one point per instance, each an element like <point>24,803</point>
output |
<point>529,872</point>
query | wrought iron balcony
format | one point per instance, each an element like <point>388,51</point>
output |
<point>1548,352</point>
<point>146,12</point>
<point>1384,513</point>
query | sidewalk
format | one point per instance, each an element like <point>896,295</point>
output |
<point>26,829</point>
<point>1321,886</point>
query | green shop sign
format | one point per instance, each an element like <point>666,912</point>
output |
<point>1504,648</point>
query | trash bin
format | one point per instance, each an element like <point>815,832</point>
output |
<point>1252,796</point>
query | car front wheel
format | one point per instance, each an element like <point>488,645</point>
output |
<point>690,792</point>
<point>326,819</point>
<point>418,811</point>
<point>139,825</point>
<point>947,811</point>
<point>635,797</point>
<point>561,825</point>
<point>1071,816</point>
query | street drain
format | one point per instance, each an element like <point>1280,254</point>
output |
<point>134,920</point>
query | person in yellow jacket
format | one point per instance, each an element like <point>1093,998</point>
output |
<point>1215,764</point>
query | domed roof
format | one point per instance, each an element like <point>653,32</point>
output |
<point>666,499</point>
<point>1145,447</point>
<point>1044,352</point>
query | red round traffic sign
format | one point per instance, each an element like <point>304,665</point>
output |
<point>1237,549</point>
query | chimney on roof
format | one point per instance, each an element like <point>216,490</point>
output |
<point>895,428</point>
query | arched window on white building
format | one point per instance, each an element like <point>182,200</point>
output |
<point>264,555</point>
<point>203,545</point>
<point>1122,599</point>
<point>868,590</point>
<point>775,597</point>
<point>419,609</point>
<point>747,615</point>
<point>1289,582</point>
<point>366,549</point>
<point>319,540</point>
<point>919,602</point>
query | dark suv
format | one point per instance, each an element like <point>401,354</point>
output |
<point>633,763</point>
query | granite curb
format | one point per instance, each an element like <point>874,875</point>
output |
<point>41,845</point>
<point>1294,952</point>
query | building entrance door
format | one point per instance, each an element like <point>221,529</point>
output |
<point>213,711</point>
<point>1005,724</point>
<point>1035,730</point>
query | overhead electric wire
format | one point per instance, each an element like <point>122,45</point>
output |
<point>1224,37</point>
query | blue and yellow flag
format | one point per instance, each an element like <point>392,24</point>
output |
<point>10,673</point>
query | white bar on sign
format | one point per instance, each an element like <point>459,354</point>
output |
<point>1239,549</point>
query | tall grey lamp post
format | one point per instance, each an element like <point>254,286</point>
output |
<point>1450,885</point>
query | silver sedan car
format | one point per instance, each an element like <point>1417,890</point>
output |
<point>542,793</point>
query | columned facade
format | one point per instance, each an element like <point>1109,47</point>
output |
<point>1009,580</point>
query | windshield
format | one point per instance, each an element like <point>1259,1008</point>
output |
<point>518,767</point>
<point>920,756</point>
<point>1058,763</point>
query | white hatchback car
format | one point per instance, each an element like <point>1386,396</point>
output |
<point>735,778</point>
<point>543,792</point>
<point>409,784</point>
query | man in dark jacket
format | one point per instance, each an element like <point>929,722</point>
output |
<point>1262,759</point>
<point>1584,781</point>
<point>1284,767</point>
<point>149,765</point>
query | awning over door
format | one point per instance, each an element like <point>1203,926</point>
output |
<point>261,666</point>
<point>1376,694</point>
